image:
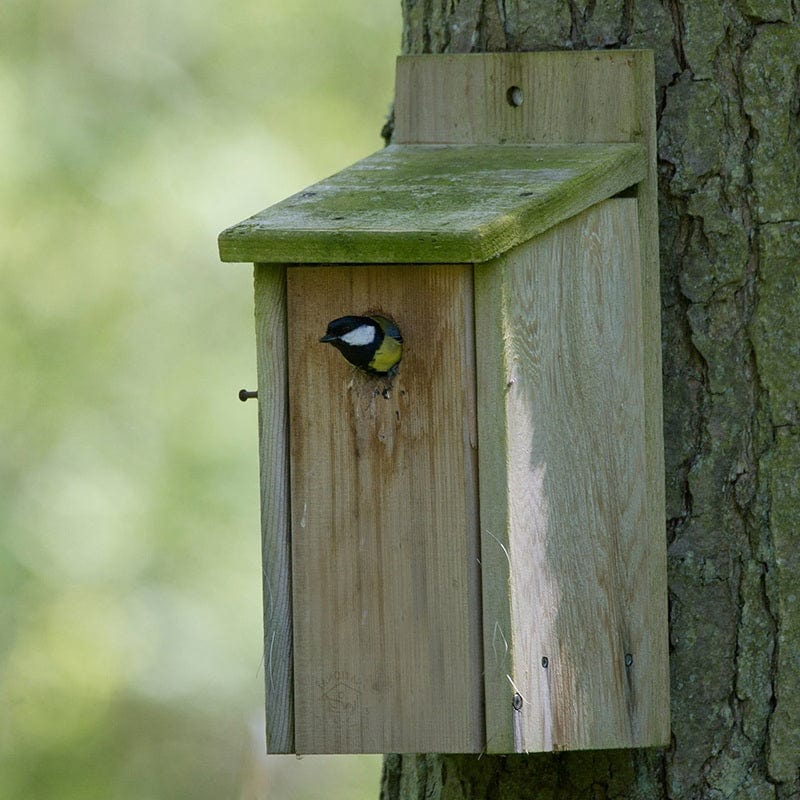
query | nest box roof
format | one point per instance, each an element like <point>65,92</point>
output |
<point>433,204</point>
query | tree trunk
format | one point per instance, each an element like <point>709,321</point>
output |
<point>728,100</point>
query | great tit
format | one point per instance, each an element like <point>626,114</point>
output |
<point>372,343</point>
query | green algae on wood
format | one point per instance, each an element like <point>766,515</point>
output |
<point>429,204</point>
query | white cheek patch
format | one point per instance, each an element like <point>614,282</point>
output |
<point>363,334</point>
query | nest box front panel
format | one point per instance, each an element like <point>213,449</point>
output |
<point>384,530</point>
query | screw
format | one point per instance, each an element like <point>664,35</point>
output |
<point>628,660</point>
<point>514,96</point>
<point>245,394</point>
<point>516,701</point>
<point>545,662</point>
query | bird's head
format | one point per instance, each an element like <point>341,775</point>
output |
<point>372,343</point>
<point>352,332</point>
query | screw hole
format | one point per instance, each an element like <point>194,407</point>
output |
<point>628,660</point>
<point>516,701</point>
<point>545,662</point>
<point>514,96</point>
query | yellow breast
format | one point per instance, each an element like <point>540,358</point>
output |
<point>387,355</point>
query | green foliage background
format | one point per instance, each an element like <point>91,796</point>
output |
<point>131,132</point>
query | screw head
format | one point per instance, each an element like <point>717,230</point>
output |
<point>514,96</point>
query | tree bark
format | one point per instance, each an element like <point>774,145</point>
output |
<point>728,101</point>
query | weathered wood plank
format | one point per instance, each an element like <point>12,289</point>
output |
<point>642,80</point>
<point>588,96</point>
<point>384,518</point>
<point>270,319</point>
<point>433,204</point>
<point>566,542</point>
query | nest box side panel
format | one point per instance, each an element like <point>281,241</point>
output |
<point>387,642</point>
<point>273,416</point>
<point>575,632</point>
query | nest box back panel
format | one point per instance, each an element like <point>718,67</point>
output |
<point>387,632</point>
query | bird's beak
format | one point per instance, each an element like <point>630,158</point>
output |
<point>328,338</point>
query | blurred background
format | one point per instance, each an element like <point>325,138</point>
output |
<point>131,133</point>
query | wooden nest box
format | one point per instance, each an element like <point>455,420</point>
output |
<point>469,555</point>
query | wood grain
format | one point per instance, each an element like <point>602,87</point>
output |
<point>384,518</point>
<point>431,204</point>
<point>589,96</point>
<point>270,319</point>
<point>565,560</point>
